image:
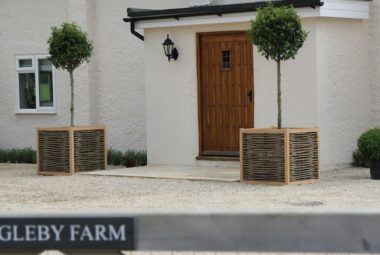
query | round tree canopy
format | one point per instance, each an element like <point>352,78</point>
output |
<point>277,32</point>
<point>69,46</point>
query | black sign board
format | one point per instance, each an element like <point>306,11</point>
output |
<point>67,233</point>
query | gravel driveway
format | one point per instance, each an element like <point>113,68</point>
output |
<point>21,190</point>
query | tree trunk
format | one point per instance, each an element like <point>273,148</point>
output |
<point>72,98</point>
<point>279,100</point>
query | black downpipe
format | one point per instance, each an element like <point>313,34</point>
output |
<point>135,33</point>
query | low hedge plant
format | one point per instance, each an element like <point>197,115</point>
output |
<point>133,158</point>
<point>369,144</point>
<point>114,157</point>
<point>130,158</point>
<point>359,160</point>
<point>25,155</point>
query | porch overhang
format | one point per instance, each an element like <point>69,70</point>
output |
<point>182,16</point>
<point>219,10</point>
<point>243,12</point>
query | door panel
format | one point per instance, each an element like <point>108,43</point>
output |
<point>226,77</point>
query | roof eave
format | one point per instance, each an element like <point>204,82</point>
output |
<point>135,15</point>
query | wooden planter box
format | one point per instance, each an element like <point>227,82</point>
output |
<point>279,156</point>
<point>66,150</point>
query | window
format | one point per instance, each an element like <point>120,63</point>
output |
<point>36,84</point>
<point>226,59</point>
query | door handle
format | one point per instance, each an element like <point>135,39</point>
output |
<point>250,95</point>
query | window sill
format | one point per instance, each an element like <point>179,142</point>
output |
<point>36,112</point>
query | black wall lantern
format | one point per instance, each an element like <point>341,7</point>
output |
<point>169,49</point>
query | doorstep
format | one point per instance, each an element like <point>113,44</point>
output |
<point>226,162</point>
<point>204,173</point>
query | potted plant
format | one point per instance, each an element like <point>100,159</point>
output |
<point>65,150</point>
<point>369,147</point>
<point>279,155</point>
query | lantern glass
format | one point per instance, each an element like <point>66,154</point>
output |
<point>168,46</point>
<point>169,49</point>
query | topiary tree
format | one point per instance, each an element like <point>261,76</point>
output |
<point>69,48</point>
<point>277,33</point>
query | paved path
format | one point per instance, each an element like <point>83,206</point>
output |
<point>174,172</point>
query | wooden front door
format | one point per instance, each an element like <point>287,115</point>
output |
<point>225,90</point>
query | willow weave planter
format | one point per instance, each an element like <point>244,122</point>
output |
<point>66,150</point>
<point>279,156</point>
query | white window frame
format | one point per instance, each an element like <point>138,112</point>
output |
<point>24,69</point>
<point>34,69</point>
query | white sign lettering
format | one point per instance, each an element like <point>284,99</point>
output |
<point>74,233</point>
<point>117,235</point>
<point>43,233</point>
<point>100,231</point>
<point>57,231</point>
<point>86,234</point>
<point>30,233</point>
<point>97,233</point>
<point>5,233</point>
<point>16,237</point>
<point>67,233</point>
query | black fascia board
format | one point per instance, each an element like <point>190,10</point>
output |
<point>135,15</point>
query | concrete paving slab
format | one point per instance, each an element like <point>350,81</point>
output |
<point>225,174</point>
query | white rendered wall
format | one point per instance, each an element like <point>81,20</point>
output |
<point>328,85</point>
<point>24,29</point>
<point>375,61</point>
<point>316,93</point>
<point>171,92</point>
<point>117,72</point>
<point>343,87</point>
<point>109,90</point>
<point>299,86</point>
<point>78,12</point>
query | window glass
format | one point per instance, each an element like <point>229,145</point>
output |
<point>36,85</point>
<point>226,59</point>
<point>27,90</point>
<point>22,63</point>
<point>45,83</point>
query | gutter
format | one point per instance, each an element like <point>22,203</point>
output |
<point>135,15</point>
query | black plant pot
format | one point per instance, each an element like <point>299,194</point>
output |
<point>375,170</point>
